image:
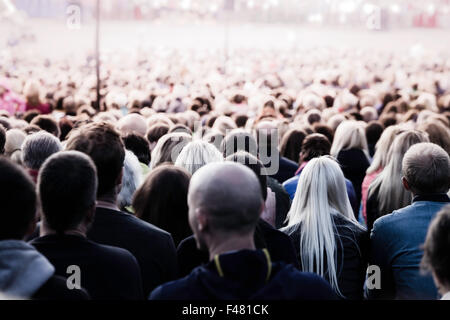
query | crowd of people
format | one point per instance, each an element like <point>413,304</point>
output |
<point>273,175</point>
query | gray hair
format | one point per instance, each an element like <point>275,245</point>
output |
<point>131,180</point>
<point>426,167</point>
<point>37,147</point>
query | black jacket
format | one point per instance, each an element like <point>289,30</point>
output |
<point>286,169</point>
<point>153,248</point>
<point>283,202</point>
<point>105,272</point>
<point>279,245</point>
<point>352,255</point>
<point>56,289</point>
<point>246,274</point>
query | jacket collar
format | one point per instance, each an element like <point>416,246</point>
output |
<point>437,197</point>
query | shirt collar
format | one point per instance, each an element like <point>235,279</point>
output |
<point>438,197</point>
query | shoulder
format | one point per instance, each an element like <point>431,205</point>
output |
<point>180,289</point>
<point>56,289</point>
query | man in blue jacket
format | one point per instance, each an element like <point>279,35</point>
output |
<point>397,238</point>
<point>225,202</point>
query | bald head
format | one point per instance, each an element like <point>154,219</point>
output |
<point>228,196</point>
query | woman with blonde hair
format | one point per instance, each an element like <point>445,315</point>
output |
<point>350,149</point>
<point>32,93</point>
<point>168,148</point>
<point>386,193</point>
<point>380,160</point>
<point>328,239</point>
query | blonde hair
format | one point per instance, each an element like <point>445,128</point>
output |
<point>380,158</point>
<point>13,145</point>
<point>349,135</point>
<point>391,194</point>
<point>196,154</point>
<point>321,192</point>
<point>168,148</point>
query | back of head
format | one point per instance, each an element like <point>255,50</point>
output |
<point>18,201</point>
<point>374,130</point>
<point>349,135</point>
<point>67,185</point>
<point>132,123</point>
<point>139,146</point>
<point>438,133</point>
<point>238,140</point>
<point>162,200</point>
<point>196,154</point>
<point>156,131</point>
<point>13,144</point>
<point>2,139</point>
<point>168,148</point>
<point>104,145</point>
<point>48,124</point>
<point>426,168</point>
<point>291,144</point>
<point>216,190</point>
<point>37,147</point>
<point>315,145</point>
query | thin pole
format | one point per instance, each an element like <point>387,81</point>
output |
<point>97,51</point>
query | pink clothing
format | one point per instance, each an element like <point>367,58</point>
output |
<point>43,108</point>
<point>368,179</point>
<point>10,101</point>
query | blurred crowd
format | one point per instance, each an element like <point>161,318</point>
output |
<point>269,174</point>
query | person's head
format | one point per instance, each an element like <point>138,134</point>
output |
<point>131,179</point>
<point>168,148</point>
<point>162,200</point>
<point>224,124</point>
<point>255,165</point>
<point>65,126</point>
<point>67,185</point>
<point>139,146</point>
<point>37,147</point>
<point>32,92</point>
<point>2,139</point>
<point>30,115</point>
<point>104,145</point>
<point>13,145</point>
<point>349,135</point>
<point>426,169</point>
<point>382,147</point>
<point>218,207</point>
<point>315,145</point>
<point>324,129</point>
<point>391,193</point>
<point>18,202</point>
<point>155,132</point>
<point>291,144</point>
<point>132,123</point>
<point>196,154</point>
<point>321,193</point>
<point>438,133</point>
<point>374,130</point>
<point>48,124</point>
<point>238,140</point>
<point>436,248</point>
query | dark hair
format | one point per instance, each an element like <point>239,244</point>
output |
<point>18,201</point>
<point>238,140</point>
<point>48,124</point>
<point>315,145</point>
<point>255,165</point>
<point>388,120</point>
<point>324,129</point>
<point>139,146</point>
<point>30,115</point>
<point>65,126</point>
<point>291,144</point>
<point>31,128</point>
<point>2,139</point>
<point>437,246</point>
<point>67,185</point>
<point>374,130</point>
<point>241,120</point>
<point>162,200</point>
<point>156,131</point>
<point>105,147</point>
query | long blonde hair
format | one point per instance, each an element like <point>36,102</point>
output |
<point>349,135</point>
<point>391,194</point>
<point>321,192</point>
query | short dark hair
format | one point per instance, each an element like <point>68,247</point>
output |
<point>65,126</point>
<point>374,130</point>
<point>47,123</point>
<point>437,246</point>
<point>2,139</point>
<point>156,131</point>
<point>324,129</point>
<point>30,115</point>
<point>255,165</point>
<point>315,145</point>
<point>105,147</point>
<point>162,200</point>
<point>139,146</point>
<point>67,184</point>
<point>17,201</point>
<point>238,140</point>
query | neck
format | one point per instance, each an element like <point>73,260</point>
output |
<point>222,244</point>
<point>45,230</point>
<point>108,201</point>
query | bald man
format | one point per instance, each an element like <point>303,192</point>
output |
<point>225,202</point>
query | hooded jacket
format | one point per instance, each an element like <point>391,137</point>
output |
<point>245,275</point>
<point>23,270</point>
